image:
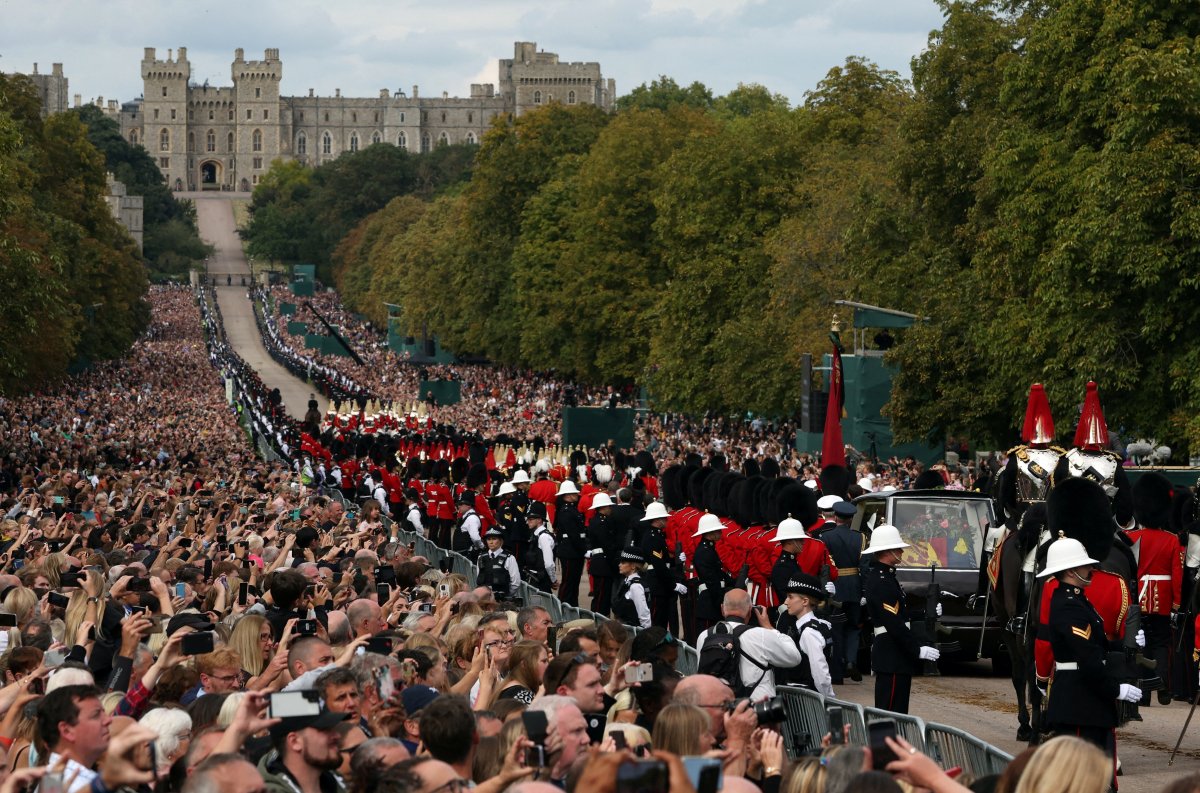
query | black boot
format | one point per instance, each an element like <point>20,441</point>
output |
<point>853,673</point>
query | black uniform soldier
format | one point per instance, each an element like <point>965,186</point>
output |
<point>603,549</point>
<point>629,604</point>
<point>498,569</point>
<point>896,651</point>
<point>539,556</point>
<point>1082,693</point>
<point>845,546</point>
<point>520,505</point>
<point>714,581</point>
<point>664,572</point>
<point>570,543</point>
<point>512,523</point>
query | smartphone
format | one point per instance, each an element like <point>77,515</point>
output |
<point>384,683</point>
<point>536,726</point>
<point>58,599</point>
<point>51,783</point>
<point>185,542</point>
<point>836,722</point>
<point>881,753</point>
<point>138,585</point>
<point>552,639</point>
<point>444,590</point>
<point>595,726</point>
<point>639,674</point>
<point>181,590</point>
<point>197,643</point>
<point>619,741</point>
<point>425,608</point>
<point>8,620</point>
<point>383,593</point>
<point>642,776</point>
<point>243,592</point>
<point>704,773</point>
<point>69,578</point>
<point>57,500</point>
<point>286,704</point>
<point>380,644</point>
<point>305,628</point>
<point>208,568</point>
<point>53,659</point>
<point>137,609</point>
<point>295,514</point>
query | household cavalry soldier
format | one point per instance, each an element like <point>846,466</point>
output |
<point>539,558</point>
<point>497,568</point>
<point>714,581</point>
<point>896,652</point>
<point>603,549</point>
<point>1083,692</point>
<point>663,574</point>
<point>570,544</point>
<point>845,548</point>
<point>629,604</point>
<point>800,554</point>
<point>1160,569</point>
<point>467,539</point>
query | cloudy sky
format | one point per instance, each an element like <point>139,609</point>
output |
<point>361,46</point>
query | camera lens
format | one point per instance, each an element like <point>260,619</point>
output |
<point>770,711</point>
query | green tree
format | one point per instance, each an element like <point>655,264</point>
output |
<point>663,94</point>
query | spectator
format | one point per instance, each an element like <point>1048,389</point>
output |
<point>448,732</point>
<point>527,664</point>
<point>684,730</point>
<point>533,622</point>
<point>372,761</point>
<point>224,773</point>
<point>174,730</point>
<point>1066,765</point>
<point>305,755</point>
<point>220,673</point>
<point>566,721</point>
<point>762,647</point>
<point>575,676</point>
<point>74,727</point>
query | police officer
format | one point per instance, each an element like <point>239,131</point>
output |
<point>1083,694</point>
<point>811,634</point>
<point>629,603</point>
<point>497,568</point>
<point>467,539</point>
<point>845,547</point>
<point>570,544</point>
<point>603,549</point>
<point>714,581</point>
<point>539,558</point>
<point>896,651</point>
<point>664,573</point>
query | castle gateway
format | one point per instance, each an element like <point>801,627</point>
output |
<point>222,138</point>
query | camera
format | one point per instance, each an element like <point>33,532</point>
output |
<point>769,711</point>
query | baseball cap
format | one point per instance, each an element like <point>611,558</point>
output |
<point>415,698</point>
<point>189,619</point>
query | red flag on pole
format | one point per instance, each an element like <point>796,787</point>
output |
<point>833,450</point>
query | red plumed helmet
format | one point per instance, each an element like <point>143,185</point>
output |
<point>1092,432</point>
<point>1039,424</point>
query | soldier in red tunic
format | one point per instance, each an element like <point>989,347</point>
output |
<point>1160,569</point>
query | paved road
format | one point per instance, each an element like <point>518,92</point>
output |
<point>214,214</point>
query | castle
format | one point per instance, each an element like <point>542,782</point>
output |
<point>225,138</point>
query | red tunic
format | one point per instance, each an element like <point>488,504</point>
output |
<point>544,490</point>
<point>1160,570</point>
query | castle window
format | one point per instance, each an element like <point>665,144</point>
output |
<point>190,116</point>
<point>471,138</point>
<point>248,112</point>
<point>424,117</point>
<point>353,141</point>
<point>470,118</point>
<point>402,141</point>
<point>549,98</point>
<point>210,115</point>
<point>425,143</point>
<point>570,97</point>
<point>256,140</point>
<point>156,114</point>
<point>257,93</point>
<point>326,116</point>
<point>354,117</point>
<point>172,114</point>
<point>375,138</point>
<point>164,162</point>
<point>266,114</point>
<point>164,140</point>
<point>443,117</point>
<point>191,141</point>
<point>229,143</point>
<point>327,144</point>
<point>401,117</point>
<point>301,144</point>
<point>537,97</point>
<point>258,163</point>
<point>164,90</point>
<point>301,115</point>
<point>133,136</point>
<point>231,114</point>
<point>443,140</point>
<point>210,141</point>
<point>377,118</point>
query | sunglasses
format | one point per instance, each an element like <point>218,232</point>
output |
<point>579,659</point>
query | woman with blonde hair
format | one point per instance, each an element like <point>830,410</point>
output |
<point>1067,764</point>
<point>22,603</point>
<point>254,642</point>
<point>685,730</point>
<point>527,662</point>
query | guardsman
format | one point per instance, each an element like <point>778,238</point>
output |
<point>497,568</point>
<point>714,581</point>
<point>1083,693</point>
<point>828,519</point>
<point>845,547</point>
<point>539,557</point>
<point>630,604</point>
<point>1160,569</point>
<point>896,651</point>
<point>664,572</point>
<point>603,549</point>
<point>571,541</point>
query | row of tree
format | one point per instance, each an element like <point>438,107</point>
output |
<point>73,282</point>
<point>1030,191</point>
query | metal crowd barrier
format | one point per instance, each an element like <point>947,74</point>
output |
<point>911,728</point>
<point>807,722</point>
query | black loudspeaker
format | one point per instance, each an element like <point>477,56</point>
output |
<point>429,347</point>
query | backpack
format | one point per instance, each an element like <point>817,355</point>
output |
<point>720,654</point>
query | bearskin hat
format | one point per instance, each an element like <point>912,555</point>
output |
<point>672,492</point>
<point>1152,496</point>
<point>929,480</point>
<point>764,496</point>
<point>718,462</point>
<point>695,486</point>
<point>578,458</point>
<point>477,477</point>
<point>835,481</point>
<point>711,493</point>
<point>736,501</point>
<point>751,506</point>
<point>476,452</point>
<point>441,469</point>
<point>1079,509</point>
<point>459,467</point>
<point>770,467</point>
<point>725,505</point>
<point>620,460</point>
<point>1183,510</point>
<point>693,458</point>
<point>750,467</point>
<point>645,461</point>
<point>796,500</point>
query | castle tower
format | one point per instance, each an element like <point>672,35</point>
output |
<point>257,118</point>
<point>165,121</point>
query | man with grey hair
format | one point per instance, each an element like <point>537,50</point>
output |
<point>419,622</point>
<point>762,647</point>
<point>366,618</point>
<point>566,719</point>
<point>225,773</point>
<point>367,668</point>
<point>372,760</point>
<point>338,629</point>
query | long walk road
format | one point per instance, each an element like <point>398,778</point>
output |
<point>214,213</point>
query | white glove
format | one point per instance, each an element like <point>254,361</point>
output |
<point>681,589</point>
<point>929,653</point>
<point>1129,693</point>
<point>682,558</point>
<point>938,609</point>
<point>1140,638</point>
<point>587,555</point>
<point>862,601</point>
<point>1041,687</point>
<point>829,587</point>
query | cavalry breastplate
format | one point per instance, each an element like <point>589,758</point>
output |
<point>1035,466</point>
<point>1100,467</point>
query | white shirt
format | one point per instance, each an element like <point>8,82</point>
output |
<point>514,572</point>
<point>471,525</point>
<point>637,595</point>
<point>545,541</point>
<point>414,519</point>
<point>83,775</point>
<point>767,646</point>
<point>812,644</point>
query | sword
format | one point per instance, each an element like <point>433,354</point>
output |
<point>983,626</point>
<point>1185,726</point>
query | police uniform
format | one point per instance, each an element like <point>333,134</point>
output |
<point>714,581</point>
<point>813,638</point>
<point>629,603</point>
<point>845,547</point>
<point>498,569</point>
<point>467,539</point>
<point>539,557</point>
